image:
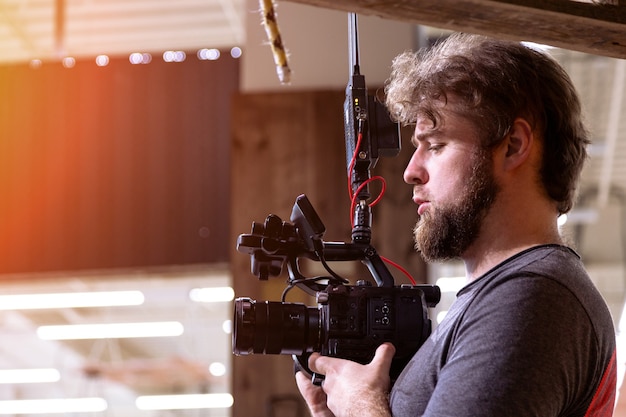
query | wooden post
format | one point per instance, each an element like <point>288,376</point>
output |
<point>284,145</point>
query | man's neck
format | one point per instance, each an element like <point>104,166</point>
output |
<point>502,238</point>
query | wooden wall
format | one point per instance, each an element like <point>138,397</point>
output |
<point>283,145</point>
<point>116,166</point>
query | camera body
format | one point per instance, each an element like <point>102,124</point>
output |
<point>349,322</point>
<point>357,319</point>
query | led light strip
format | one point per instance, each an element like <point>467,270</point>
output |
<point>50,406</point>
<point>70,300</point>
<point>182,402</point>
<point>212,295</point>
<point>110,330</point>
<point>29,376</point>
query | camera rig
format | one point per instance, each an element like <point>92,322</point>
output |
<point>350,321</point>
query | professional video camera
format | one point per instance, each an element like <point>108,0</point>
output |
<point>349,321</point>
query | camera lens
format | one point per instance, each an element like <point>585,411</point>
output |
<point>273,327</point>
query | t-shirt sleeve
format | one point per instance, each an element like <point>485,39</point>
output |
<point>521,349</point>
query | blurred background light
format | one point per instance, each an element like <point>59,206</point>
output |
<point>110,330</point>
<point>182,402</point>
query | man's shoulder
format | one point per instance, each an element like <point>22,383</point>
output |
<point>553,262</point>
<point>556,277</point>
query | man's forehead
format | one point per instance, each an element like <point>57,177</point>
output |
<point>425,129</point>
<point>449,122</point>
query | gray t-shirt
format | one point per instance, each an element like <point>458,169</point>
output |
<point>532,337</point>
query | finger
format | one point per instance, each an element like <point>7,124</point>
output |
<point>321,364</point>
<point>309,391</point>
<point>303,382</point>
<point>314,361</point>
<point>313,395</point>
<point>385,350</point>
<point>384,356</point>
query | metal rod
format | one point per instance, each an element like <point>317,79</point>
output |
<point>353,44</point>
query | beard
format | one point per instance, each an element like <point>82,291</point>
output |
<point>447,231</point>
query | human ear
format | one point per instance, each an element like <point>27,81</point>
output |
<point>518,144</point>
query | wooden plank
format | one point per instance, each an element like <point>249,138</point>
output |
<point>586,27</point>
<point>283,145</point>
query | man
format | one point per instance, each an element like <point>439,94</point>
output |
<point>499,147</point>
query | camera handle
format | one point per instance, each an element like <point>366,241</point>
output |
<point>276,242</point>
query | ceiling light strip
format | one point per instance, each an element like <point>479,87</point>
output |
<point>184,402</point>
<point>29,376</point>
<point>212,294</point>
<point>110,330</point>
<point>71,300</point>
<point>50,406</point>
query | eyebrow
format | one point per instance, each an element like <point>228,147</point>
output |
<point>425,136</point>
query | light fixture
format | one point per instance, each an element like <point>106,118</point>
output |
<point>212,294</point>
<point>217,369</point>
<point>451,284</point>
<point>102,60</point>
<point>206,54</point>
<point>69,62</point>
<point>174,56</point>
<point>53,406</point>
<point>29,376</point>
<point>140,58</point>
<point>70,300</point>
<point>182,402</point>
<point>236,52</point>
<point>110,330</point>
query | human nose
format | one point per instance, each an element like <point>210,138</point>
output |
<point>415,173</point>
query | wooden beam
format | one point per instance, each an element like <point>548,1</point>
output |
<point>586,27</point>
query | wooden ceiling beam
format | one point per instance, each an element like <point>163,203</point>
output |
<point>598,29</point>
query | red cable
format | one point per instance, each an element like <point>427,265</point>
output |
<point>404,271</point>
<point>354,195</point>
<point>352,162</point>
<point>353,201</point>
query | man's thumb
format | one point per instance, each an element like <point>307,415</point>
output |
<point>384,355</point>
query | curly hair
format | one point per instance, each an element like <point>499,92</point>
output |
<point>494,82</point>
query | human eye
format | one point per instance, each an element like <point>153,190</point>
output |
<point>435,147</point>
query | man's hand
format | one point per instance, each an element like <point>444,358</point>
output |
<point>314,396</point>
<point>349,389</point>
